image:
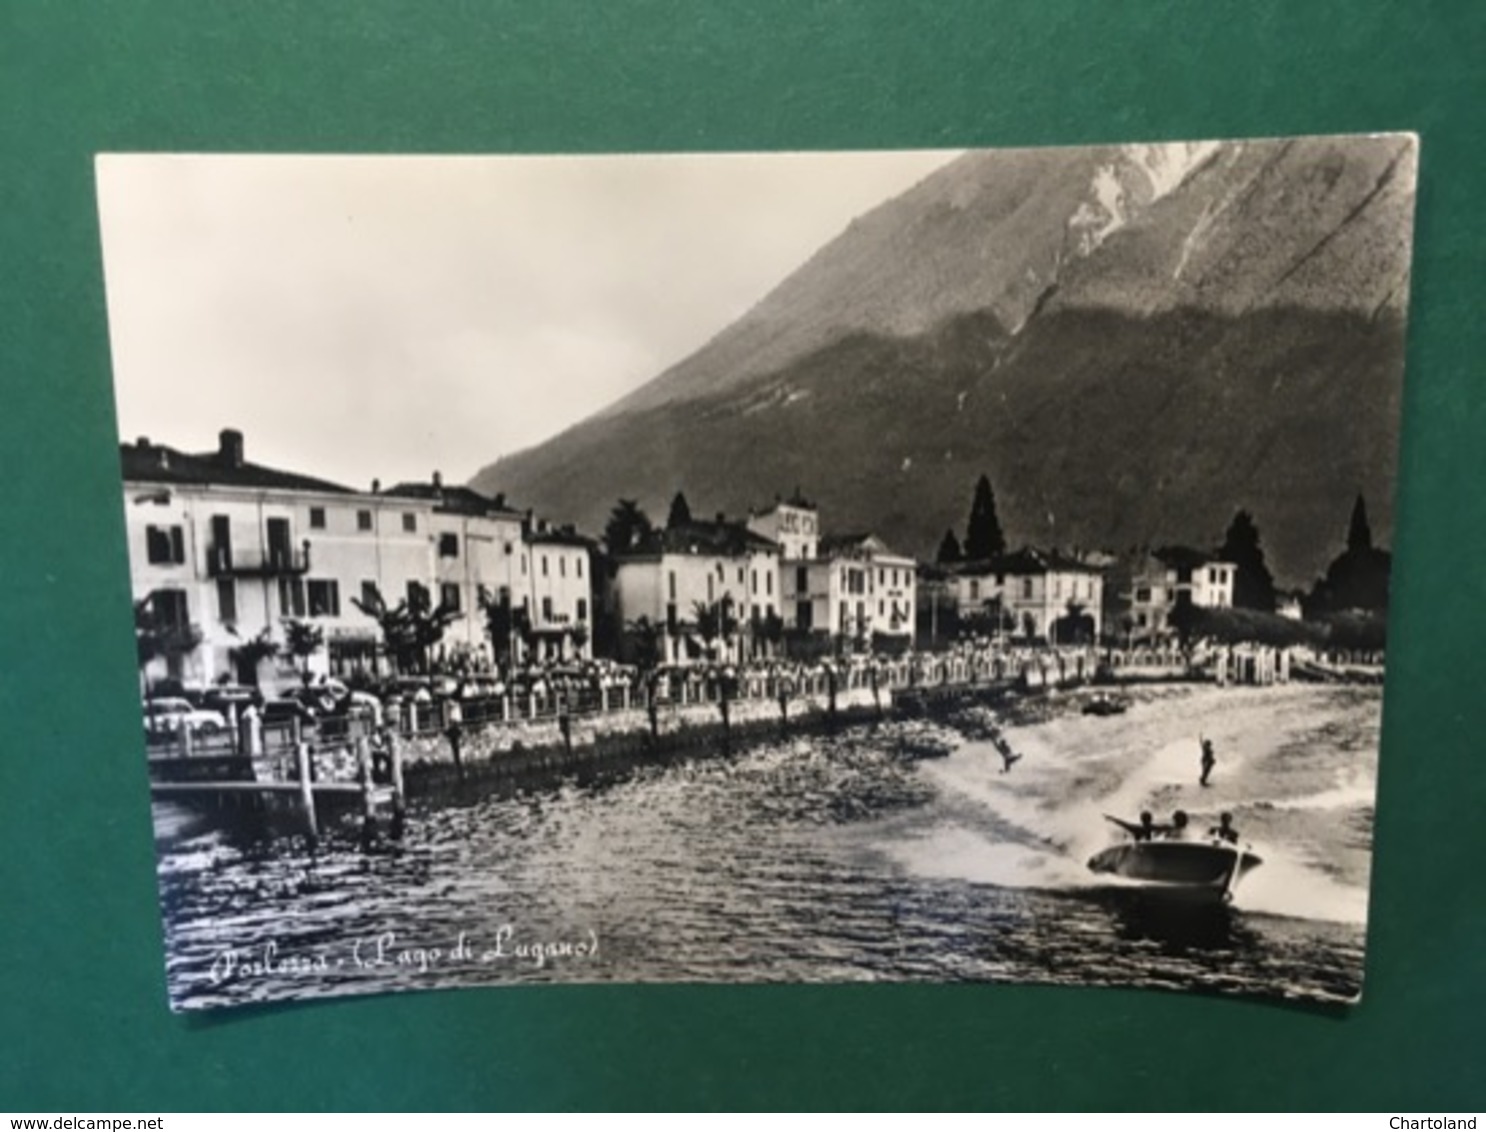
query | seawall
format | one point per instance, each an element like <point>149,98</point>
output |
<point>525,748</point>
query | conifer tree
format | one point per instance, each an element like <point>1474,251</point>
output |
<point>680,512</point>
<point>983,537</point>
<point>949,550</point>
<point>1359,533</point>
<point>1253,584</point>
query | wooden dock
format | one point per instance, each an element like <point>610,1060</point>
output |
<point>278,768</point>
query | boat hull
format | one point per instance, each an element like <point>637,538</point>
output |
<point>1197,868</point>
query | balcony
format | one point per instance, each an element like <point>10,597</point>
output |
<point>272,562</point>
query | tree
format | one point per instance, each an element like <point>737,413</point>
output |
<point>627,527</point>
<point>1185,618</point>
<point>1075,627</point>
<point>504,624</point>
<point>301,641</point>
<point>1357,579</point>
<point>1253,585</point>
<point>680,512</point>
<point>949,550</point>
<point>578,634</point>
<point>983,537</point>
<point>246,657</point>
<point>410,628</point>
<point>715,622</point>
<point>988,619</point>
<point>1359,534</point>
<point>645,643</point>
<point>158,635</point>
<point>771,630</point>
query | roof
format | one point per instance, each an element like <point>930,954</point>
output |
<point>1185,557</point>
<point>157,463</point>
<point>726,540</point>
<point>560,536</point>
<point>1028,560</point>
<point>454,500</point>
<point>857,544</point>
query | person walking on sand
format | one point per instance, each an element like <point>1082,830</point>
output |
<point>1209,760</point>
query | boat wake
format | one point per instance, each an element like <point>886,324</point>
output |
<point>1037,827</point>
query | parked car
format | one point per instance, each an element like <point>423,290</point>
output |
<point>223,697</point>
<point>172,689</point>
<point>169,715</point>
<point>282,711</point>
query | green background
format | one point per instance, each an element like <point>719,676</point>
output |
<point>81,985</point>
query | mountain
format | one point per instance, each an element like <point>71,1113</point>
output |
<point>1133,342</point>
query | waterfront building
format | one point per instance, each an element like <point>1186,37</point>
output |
<point>793,524</point>
<point>855,588</point>
<point>851,587</point>
<point>707,590</point>
<point>1151,585</point>
<point>228,556</point>
<point>1030,594</point>
<point>560,591</point>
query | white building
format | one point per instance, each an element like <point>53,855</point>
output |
<point>1031,594</point>
<point>855,587</point>
<point>680,578</point>
<point>793,524</point>
<point>226,555</point>
<point>560,592</point>
<point>1154,584</point>
<point>848,586</point>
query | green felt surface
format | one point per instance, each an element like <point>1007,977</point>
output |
<point>81,985</point>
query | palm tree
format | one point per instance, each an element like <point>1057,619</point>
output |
<point>715,622</point>
<point>411,627</point>
<point>301,641</point>
<point>246,657</point>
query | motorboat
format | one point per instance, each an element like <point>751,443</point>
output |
<point>1205,869</point>
<point>913,748</point>
<point>1102,703</point>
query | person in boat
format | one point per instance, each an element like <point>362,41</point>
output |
<point>1177,830</point>
<point>1145,831</point>
<point>1209,760</point>
<point>1224,830</point>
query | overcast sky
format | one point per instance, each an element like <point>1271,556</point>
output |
<point>363,317</point>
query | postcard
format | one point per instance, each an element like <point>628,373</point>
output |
<point>814,567</point>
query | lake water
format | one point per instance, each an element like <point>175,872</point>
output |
<point>827,858</point>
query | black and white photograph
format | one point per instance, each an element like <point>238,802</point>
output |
<point>904,566</point>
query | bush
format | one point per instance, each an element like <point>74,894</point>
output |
<point>1357,629</point>
<point>1253,626</point>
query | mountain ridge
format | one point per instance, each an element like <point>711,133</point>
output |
<point>1147,291</point>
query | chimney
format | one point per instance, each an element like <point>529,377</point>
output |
<point>438,480</point>
<point>376,486</point>
<point>230,451</point>
<point>142,443</point>
<point>721,518</point>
